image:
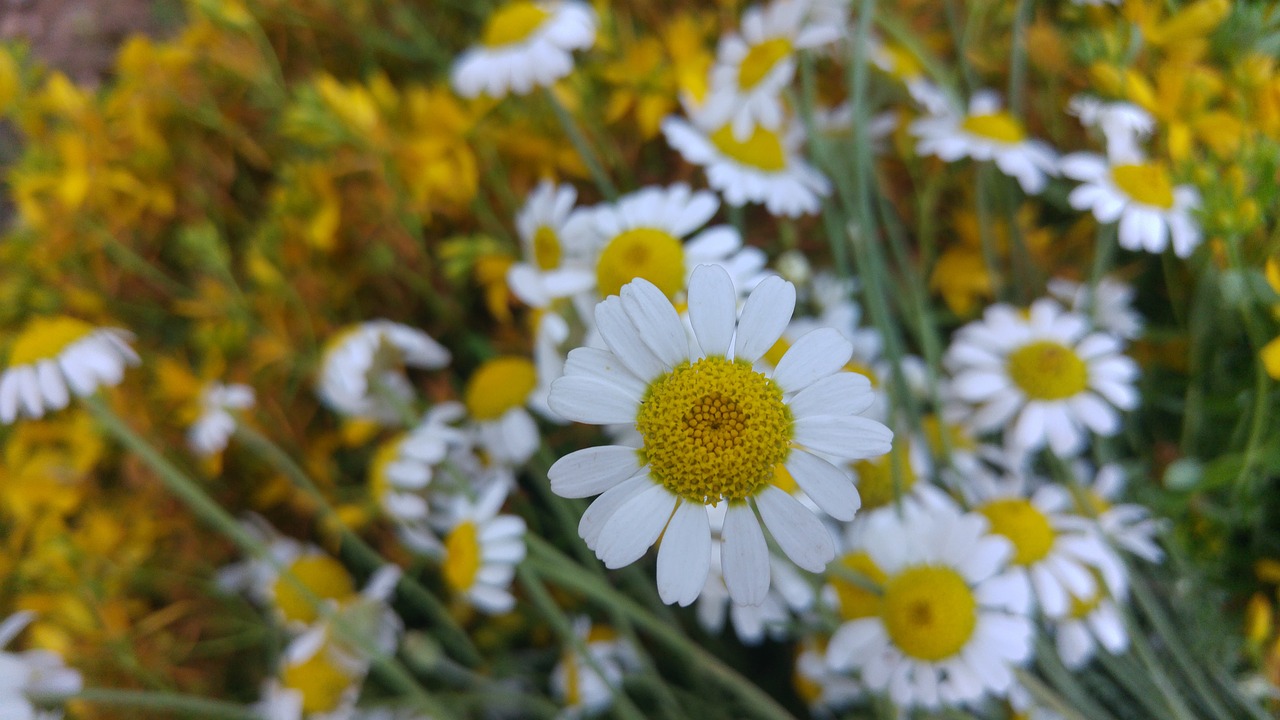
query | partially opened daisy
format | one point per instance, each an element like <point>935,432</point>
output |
<point>712,430</point>
<point>525,45</point>
<point>1041,377</point>
<point>987,132</point>
<point>553,264</point>
<point>754,67</point>
<point>481,551</point>
<point>949,624</point>
<point>54,358</point>
<point>1128,526</point>
<point>362,370</point>
<point>765,168</point>
<point>1152,212</point>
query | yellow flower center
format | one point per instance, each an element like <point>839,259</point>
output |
<point>875,477</point>
<point>546,248</point>
<point>462,556</point>
<point>930,612</point>
<point>513,23</point>
<point>45,338</point>
<point>572,680</point>
<point>762,150</point>
<point>379,483</point>
<point>1000,126</point>
<point>1047,370</point>
<point>498,386</point>
<point>935,431</point>
<point>321,682</point>
<point>322,576</point>
<point>857,601</point>
<point>1025,526</point>
<point>1147,183</point>
<point>714,429</point>
<point>649,253</point>
<point>760,60</point>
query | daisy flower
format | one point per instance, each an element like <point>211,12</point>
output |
<point>497,397</point>
<point>1109,305</point>
<point>403,466</point>
<point>950,623</point>
<point>658,234</point>
<point>586,686</point>
<point>1128,526</point>
<point>56,357</point>
<point>986,132</point>
<point>316,678</point>
<point>1093,622</point>
<point>362,370</point>
<point>208,435</point>
<point>1041,376</point>
<point>1124,125</point>
<point>524,45</point>
<point>753,68</point>
<point>765,168</point>
<point>822,689</point>
<point>29,678</point>
<point>712,430</point>
<point>481,551</point>
<point>552,246</point>
<point>1152,212</point>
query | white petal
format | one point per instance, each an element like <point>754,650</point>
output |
<point>851,437</point>
<point>656,320</point>
<point>618,332</point>
<point>764,317</point>
<point>586,400</point>
<point>602,508</point>
<point>815,355</point>
<point>827,485</point>
<point>593,470</point>
<point>635,526</point>
<point>52,385</point>
<point>603,365</point>
<point>799,533</point>
<point>744,556</point>
<point>845,393</point>
<point>712,309</point>
<point>684,558</point>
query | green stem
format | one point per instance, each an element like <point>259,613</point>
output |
<point>555,566</point>
<point>1018,63</point>
<point>450,633</point>
<point>1047,696</point>
<point>184,705</point>
<point>579,140</point>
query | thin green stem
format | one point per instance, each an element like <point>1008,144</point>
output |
<point>585,151</point>
<point>450,633</point>
<point>1018,62</point>
<point>556,567</point>
<point>1047,696</point>
<point>186,706</point>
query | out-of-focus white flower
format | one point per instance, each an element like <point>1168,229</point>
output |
<point>525,45</point>
<point>362,371</point>
<point>56,357</point>
<point>208,435</point>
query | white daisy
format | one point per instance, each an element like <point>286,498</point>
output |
<point>658,234</point>
<point>403,466</point>
<point>32,678</point>
<point>1124,125</point>
<point>753,68</point>
<point>1041,376</point>
<point>1128,526</point>
<point>316,677</point>
<point>713,430</point>
<point>362,371</point>
<point>1109,305</point>
<point>986,132</point>
<point>56,357</point>
<point>481,552</point>
<point>553,247</point>
<point>765,168</point>
<point>950,622</point>
<point>1092,623</point>
<point>824,690</point>
<point>586,686</point>
<point>525,45</point>
<point>498,396</point>
<point>1153,213</point>
<point>208,435</point>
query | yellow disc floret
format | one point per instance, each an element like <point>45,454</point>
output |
<point>462,556</point>
<point>876,482</point>
<point>319,680</point>
<point>1047,370</point>
<point>929,612</point>
<point>1025,526</point>
<point>546,248</point>
<point>858,601</point>
<point>499,385</point>
<point>650,253</point>
<point>762,150</point>
<point>760,60</point>
<point>513,23</point>
<point>714,429</point>
<point>45,338</point>
<point>1000,126</point>
<point>322,576</point>
<point>1147,183</point>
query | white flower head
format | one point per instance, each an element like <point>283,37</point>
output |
<point>753,68</point>
<point>1109,305</point>
<point>585,686</point>
<point>498,397</point>
<point>481,551</point>
<point>1152,212</point>
<point>54,358</point>
<point>712,430</point>
<point>1128,526</point>
<point>553,247</point>
<point>362,371</point>
<point>525,45</point>
<point>950,622</point>
<point>1041,376</point>
<point>766,168</point>
<point>987,133</point>
<point>402,467</point>
<point>31,677</point>
<point>208,435</point>
<point>1124,125</point>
